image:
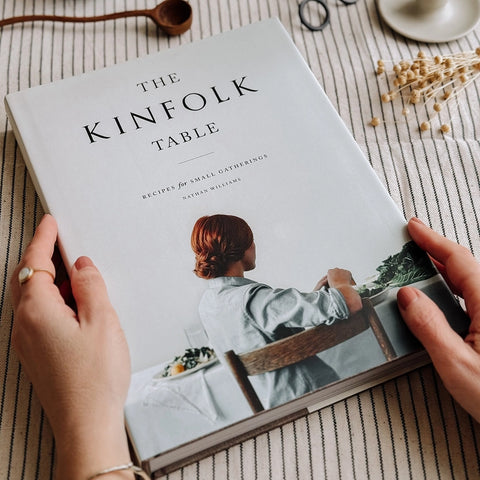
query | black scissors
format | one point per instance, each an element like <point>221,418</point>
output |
<point>315,28</point>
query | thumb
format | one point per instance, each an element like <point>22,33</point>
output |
<point>89,290</point>
<point>428,323</point>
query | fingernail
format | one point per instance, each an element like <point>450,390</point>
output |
<point>83,262</point>
<point>416,220</point>
<point>406,296</point>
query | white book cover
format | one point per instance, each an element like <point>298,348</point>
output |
<point>129,157</point>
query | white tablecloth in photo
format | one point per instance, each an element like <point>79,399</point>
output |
<point>182,408</point>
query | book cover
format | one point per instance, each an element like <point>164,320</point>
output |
<point>130,157</point>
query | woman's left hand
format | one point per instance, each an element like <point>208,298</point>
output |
<point>77,361</point>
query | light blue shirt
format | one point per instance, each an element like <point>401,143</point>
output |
<point>241,315</point>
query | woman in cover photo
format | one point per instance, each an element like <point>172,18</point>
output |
<point>241,314</point>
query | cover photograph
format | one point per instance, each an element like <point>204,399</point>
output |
<point>228,208</point>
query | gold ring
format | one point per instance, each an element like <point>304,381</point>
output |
<point>26,273</point>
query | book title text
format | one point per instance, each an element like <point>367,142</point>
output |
<point>159,114</point>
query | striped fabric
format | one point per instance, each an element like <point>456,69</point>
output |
<point>406,428</point>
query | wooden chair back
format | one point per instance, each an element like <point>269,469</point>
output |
<point>298,347</point>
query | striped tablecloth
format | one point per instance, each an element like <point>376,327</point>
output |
<point>407,428</point>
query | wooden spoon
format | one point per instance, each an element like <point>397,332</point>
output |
<point>172,16</point>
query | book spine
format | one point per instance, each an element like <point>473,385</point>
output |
<point>10,108</point>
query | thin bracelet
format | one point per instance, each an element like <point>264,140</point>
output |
<point>128,467</point>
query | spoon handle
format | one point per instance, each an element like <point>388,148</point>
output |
<point>57,18</point>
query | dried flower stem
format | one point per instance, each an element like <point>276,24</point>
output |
<point>426,80</point>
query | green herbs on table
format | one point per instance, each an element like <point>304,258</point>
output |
<point>408,266</point>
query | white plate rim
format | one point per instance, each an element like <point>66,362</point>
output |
<point>160,378</point>
<point>427,29</point>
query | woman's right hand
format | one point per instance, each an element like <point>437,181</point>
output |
<point>456,360</point>
<point>342,280</point>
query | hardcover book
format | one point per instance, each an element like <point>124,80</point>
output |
<point>172,169</point>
